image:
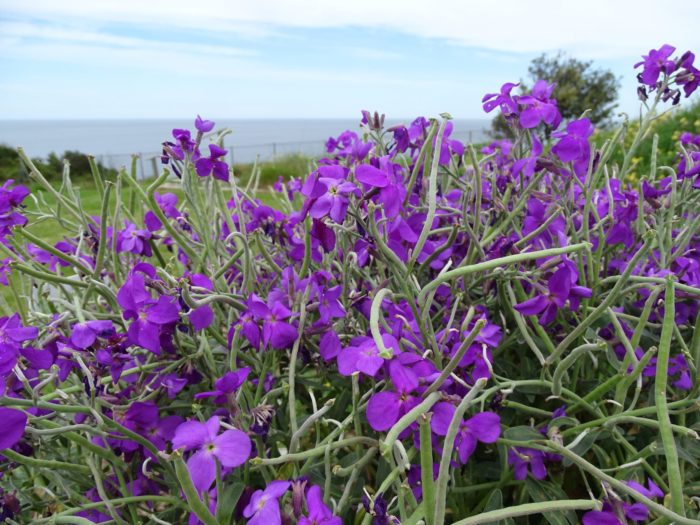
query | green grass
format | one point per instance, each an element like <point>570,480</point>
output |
<point>52,231</point>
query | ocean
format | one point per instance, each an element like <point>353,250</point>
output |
<point>249,138</point>
<point>113,142</point>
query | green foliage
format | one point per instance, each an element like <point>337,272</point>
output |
<point>579,88</point>
<point>10,167</point>
<point>668,126</point>
<point>52,167</point>
<point>285,166</point>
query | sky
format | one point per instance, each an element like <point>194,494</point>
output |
<point>97,59</point>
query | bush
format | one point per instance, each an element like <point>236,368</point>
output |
<point>52,167</point>
<point>669,126</point>
<point>578,89</point>
<point>413,333</point>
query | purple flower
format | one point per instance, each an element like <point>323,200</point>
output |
<point>168,204</point>
<point>614,509</point>
<point>389,189</point>
<point>678,371</point>
<point>348,145</point>
<point>537,214</point>
<point>84,334</point>
<point>363,355</point>
<point>205,166</point>
<point>203,126</point>
<point>528,164</point>
<point>327,193</point>
<point>386,408</point>
<point>484,427</point>
<point>202,316</point>
<point>12,334</point>
<point>231,448</point>
<point>276,331</point>
<point>573,145</point>
<point>689,77</point>
<point>13,424</point>
<point>523,458</point>
<point>318,512</point>
<point>263,507</point>
<point>329,306</point>
<point>539,106</point>
<point>329,346</point>
<point>11,197</point>
<point>144,419</point>
<point>185,145</point>
<point>504,100</point>
<point>151,317</point>
<point>561,290</point>
<point>226,386</point>
<point>134,241</point>
<point>333,201</point>
<point>656,62</point>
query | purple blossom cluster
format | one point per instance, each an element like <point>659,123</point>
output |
<point>411,331</point>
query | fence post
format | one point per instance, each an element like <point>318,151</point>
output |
<point>154,164</point>
<point>274,150</point>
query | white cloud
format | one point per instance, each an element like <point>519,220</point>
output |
<point>596,28</point>
<point>14,32</point>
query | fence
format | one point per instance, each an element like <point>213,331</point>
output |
<point>149,165</point>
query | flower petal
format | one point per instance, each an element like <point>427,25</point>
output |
<point>383,410</point>
<point>14,422</point>
<point>202,467</point>
<point>233,448</point>
<point>371,176</point>
<point>189,435</point>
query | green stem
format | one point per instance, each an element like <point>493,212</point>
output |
<point>495,263</point>
<point>616,484</point>
<point>675,481</point>
<point>426,468</point>
<point>457,358</point>
<point>569,360</point>
<point>431,196</point>
<point>444,473</point>
<point>43,463</point>
<point>196,505</point>
<point>528,509</point>
<point>603,306</point>
<point>374,314</point>
<point>406,421</point>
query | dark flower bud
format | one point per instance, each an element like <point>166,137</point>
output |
<point>298,495</point>
<point>262,417</point>
<point>642,93</point>
<point>9,506</point>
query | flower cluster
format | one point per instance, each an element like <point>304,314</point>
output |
<point>414,332</point>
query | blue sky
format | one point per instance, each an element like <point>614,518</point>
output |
<point>314,59</point>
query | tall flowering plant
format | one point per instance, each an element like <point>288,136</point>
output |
<point>416,333</point>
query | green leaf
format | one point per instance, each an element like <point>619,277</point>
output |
<point>565,422</point>
<point>522,433</point>
<point>230,498</point>
<point>584,445</point>
<point>541,491</point>
<point>495,502</point>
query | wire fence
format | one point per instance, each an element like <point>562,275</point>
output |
<point>149,163</point>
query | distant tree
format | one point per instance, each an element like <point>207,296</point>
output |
<point>580,87</point>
